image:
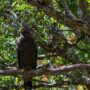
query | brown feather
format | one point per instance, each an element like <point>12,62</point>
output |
<point>26,51</point>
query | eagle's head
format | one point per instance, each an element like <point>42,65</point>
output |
<point>24,29</point>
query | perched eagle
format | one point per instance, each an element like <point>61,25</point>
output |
<point>27,53</point>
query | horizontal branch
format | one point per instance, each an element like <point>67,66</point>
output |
<point>45,70</point>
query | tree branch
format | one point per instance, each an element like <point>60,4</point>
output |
<point>61,17</point>
<point>60,52</point>
<point>67,10</point>
<point>51,71</point>
<point>84,8</point>
<point>45,70</point>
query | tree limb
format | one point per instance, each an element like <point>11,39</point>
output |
<point>67,10</point>
<point>44,70</point>
<point>76,24</point>
<point>84,8</point>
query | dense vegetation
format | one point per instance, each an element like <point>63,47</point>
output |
<point>61,29</point>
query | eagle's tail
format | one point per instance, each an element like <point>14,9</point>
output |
<point>28,85</point>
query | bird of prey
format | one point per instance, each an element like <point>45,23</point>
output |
<point>26,53</point>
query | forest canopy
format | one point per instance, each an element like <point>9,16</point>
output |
<point>61,30</point>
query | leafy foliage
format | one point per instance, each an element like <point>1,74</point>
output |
<point>50,37</point>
